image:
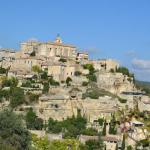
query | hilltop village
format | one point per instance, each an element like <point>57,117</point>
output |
<point>59,84</point>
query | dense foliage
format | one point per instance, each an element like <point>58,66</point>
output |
<point>71,127</point>
<point>91,76</point>
<point>13,135</point>
<point>32,121</point>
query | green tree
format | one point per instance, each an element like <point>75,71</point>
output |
<point>44,75</point>
<point>104,129</point>
<point>94,145</point>
<point>12,131</point>
<point>45,87</point>
<point>17,97</point>
<point>40,143</point>
<point>123,143</point>
<point>129,147</point>
<point>32,121</point>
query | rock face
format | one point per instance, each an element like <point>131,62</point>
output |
<point>114,82</point>
<point>59,107</point>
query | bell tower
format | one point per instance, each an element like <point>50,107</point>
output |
<point>58,39</point>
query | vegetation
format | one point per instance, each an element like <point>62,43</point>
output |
<point>36,69</point>
<point>13,134</point>
<point>32,121</point>
<point>27,84</point>
<point>44,144</point>
<point>123,146</point>
<point>45,87</point>
<point>104,129</point>
<point>4,94</point>
<point>68,80</point>
<point>12,82</point>
<point>3,70</point>
<point>144,86</point>
<point>44,75</point>
<point>53,82</point>
<point>129,147</point>
<point>95,93</point>
<point>112,126</point>
<point>71,127</point>
<point>94,144</point>
<point>125,71</point>
<point>84,83</point>
<point>77,73</point>
<point>91,76</point>
<point>121,100</point>
<point>17,97</point>
<point>101,121</point>
<point>32,97</point>
<point>89,131</point>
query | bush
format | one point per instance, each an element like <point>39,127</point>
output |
<point>3,70</point>
<point>71,126</point>
<point>12,82</point>
<point>68,80</point>
<point>123,70</point>
<point>89,131</point>
<point>12,132</point>
<point>94,145</point>
<point>92,77</point>
<point>33,97</point>
<point>84,83</point>
<point>53,82</point>
<point>101,121</point>
<point>45,88</point>
<point>121,100</point>
<point>17,97</point>
<point>32,121</point>
<point>77,73</point>
<point>27,84</point>
<point>44,75</point>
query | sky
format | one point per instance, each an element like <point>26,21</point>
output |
<point>117,29</point>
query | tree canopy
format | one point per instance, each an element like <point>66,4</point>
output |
<point>13,132</point>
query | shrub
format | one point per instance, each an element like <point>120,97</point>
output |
<point>2,70</point>
<point>121,100</point>
<point>84,83</point>
<point>17,97</point>
<point>13,132</point>
<point>53,82</point>
<point>45,87</point>
<point>32,121</point>
<point>27,84</point>
<point>77,73</point>
<point>101,121</point>
<point>68,80</point>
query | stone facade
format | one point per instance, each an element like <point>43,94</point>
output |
<point>49,49</point>
<point>105,64</point>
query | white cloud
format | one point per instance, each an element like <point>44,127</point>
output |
<point>141,68</point>
<point>141,64</point>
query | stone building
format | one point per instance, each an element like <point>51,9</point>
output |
<point>105,64</point>
<point>48,49</point>
<point>61,71</point>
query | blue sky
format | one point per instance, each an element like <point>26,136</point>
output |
<point>118,29</point>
